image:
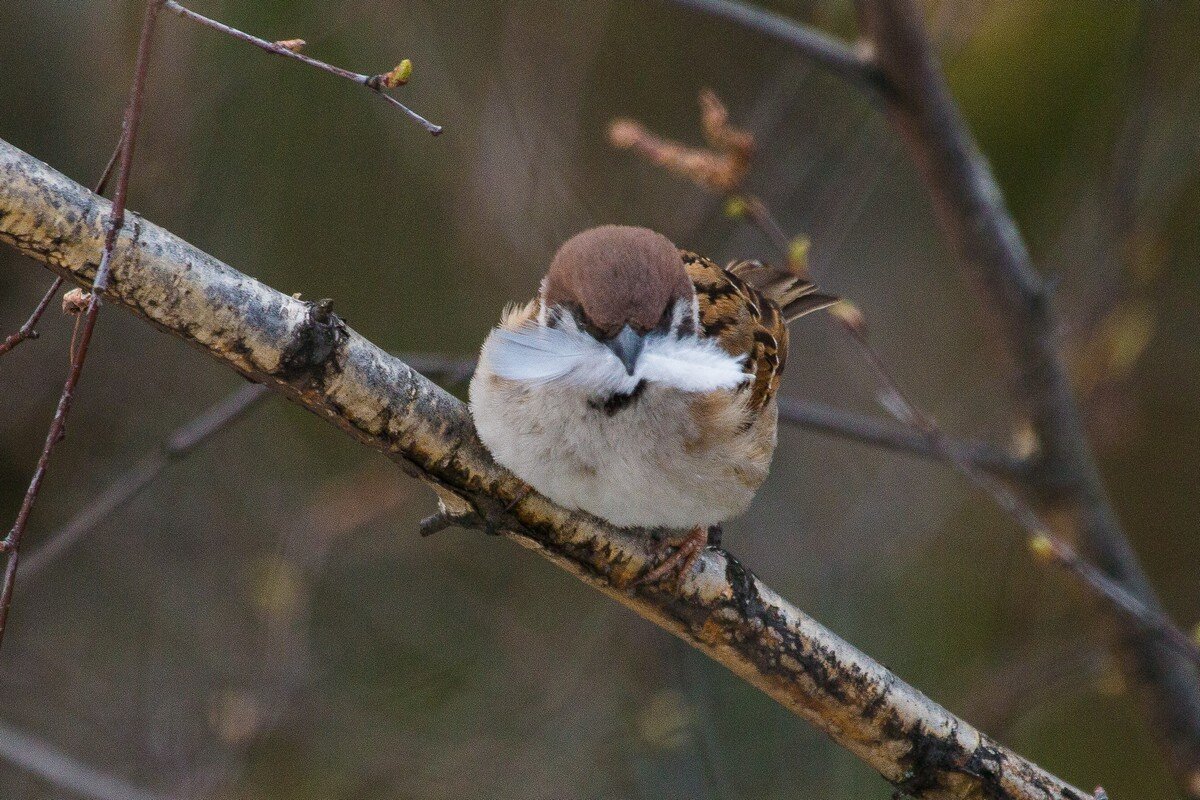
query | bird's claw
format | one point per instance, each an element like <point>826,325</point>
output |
<point>680,563</point>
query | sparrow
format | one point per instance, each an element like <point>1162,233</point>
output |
<point>639,384</point>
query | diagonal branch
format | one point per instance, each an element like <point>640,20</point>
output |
<point>303,351</point>
<point>27,330</point>
<point>59,769</point>
<point>888,435</point>
<point>182,441</point>
<point>837,57</point>
<point>908,84</point>
<point>291,49</point>
<point>971,211</point>
<point>723,169</point>
<point>123,158</point>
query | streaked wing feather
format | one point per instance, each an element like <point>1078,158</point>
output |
<point>745,321</point>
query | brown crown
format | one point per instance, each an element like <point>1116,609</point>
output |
<point>618,275</point>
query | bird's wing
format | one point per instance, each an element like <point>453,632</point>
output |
<point>745,320</point>
<point>792,291</point>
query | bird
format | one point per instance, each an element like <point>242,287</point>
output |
<point>639,385</point>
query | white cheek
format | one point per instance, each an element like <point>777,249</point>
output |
<point>563,356</point>
<point>689,364</point>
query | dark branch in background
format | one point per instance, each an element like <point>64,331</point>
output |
<point>64,772</point>
<point>818,46</point>
<point>27,331</point>
<point>183,441</point>
<point>290,49</point>
<point>811,416</point>
<point>133,113</point>
<point>891,436</point>
<point>723,169</point>
<point>970,209</point>
<point>186,440</point>
<point>305,352</point>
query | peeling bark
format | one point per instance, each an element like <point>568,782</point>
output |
<point>304,351</point>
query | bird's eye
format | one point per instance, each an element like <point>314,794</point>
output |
<point>665,321</point>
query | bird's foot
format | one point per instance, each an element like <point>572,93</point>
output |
<point>680,562</point>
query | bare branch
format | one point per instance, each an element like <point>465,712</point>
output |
<point>971,211</point>
<point>303,351</point>
<point>27,331</point>
<point>723,170</point>
<point>133,115</point>
<point>61,770</point>
<point>892,436</point>
<point>822,48</point>
<point>290,48</point>
<point>907,82</point>
<point>182,441</point>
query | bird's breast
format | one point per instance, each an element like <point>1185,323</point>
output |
<point>653,457</point>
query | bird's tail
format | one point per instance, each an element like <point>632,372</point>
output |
<point>793,292</point>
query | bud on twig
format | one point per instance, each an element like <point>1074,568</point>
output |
<point>398,76</point>
<point>76,301</point>
<point>1042,546</point>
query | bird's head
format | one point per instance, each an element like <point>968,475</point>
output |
<point>617,311</point>
<point>620,284</point>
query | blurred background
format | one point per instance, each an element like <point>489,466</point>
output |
<point>262,621</point>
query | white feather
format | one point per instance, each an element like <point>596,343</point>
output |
<point>689,364</point>
<point>566,356</point>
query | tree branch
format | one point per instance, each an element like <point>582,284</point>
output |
<point>86,325</point>
<point>59,769</point>
<point>723,168</point>
<point>27,331</point>
<point>290,49</point>
<point>833,55</point>
<point>900,438</point>
<point>182,441</point>
<point>908,84</point>
<point>971,211</point>
<point>303,351</point>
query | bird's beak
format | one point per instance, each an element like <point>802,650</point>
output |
<point>627,345</point>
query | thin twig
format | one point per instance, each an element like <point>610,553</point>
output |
<point>822,48</point>
<point>27,331</point>
<point>1042,542</point>
<point>102,184</point>
<point>290,49</point>
<point>133,114</point>
<point>888,435</point>
<point>910,87</point>
<point>184,441</point>
<point>180,443</point>
<point>63,771</point>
